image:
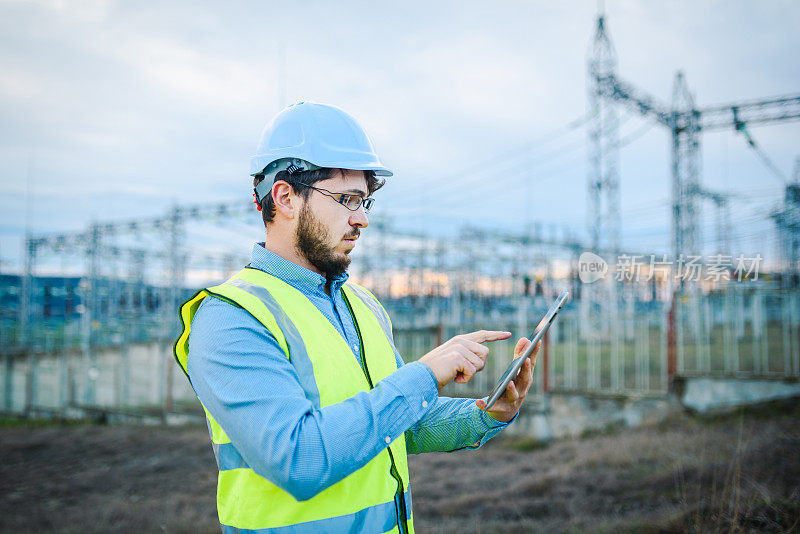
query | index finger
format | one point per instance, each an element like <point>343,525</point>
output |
<point>482,336</point>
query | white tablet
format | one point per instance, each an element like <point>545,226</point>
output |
<point>537,335</point>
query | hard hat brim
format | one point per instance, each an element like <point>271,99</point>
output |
<point>258,164</point>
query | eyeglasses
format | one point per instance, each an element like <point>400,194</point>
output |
<point>351,202</point>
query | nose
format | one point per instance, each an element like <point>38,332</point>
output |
<point>359,218</point>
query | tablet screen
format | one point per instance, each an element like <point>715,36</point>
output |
<point>537,335</point>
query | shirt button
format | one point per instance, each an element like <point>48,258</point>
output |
<point>387,439</point>
<point>355,348</point>
<point>424,404</point>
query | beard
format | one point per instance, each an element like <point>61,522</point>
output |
<point>312,240</point>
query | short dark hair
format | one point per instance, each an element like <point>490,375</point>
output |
<point>268,209</point>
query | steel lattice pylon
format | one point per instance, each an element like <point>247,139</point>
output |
<point>686,123</point>
<point>604,214</point>
<point>685,170</point>
<point>787,221</point>
<point>600,317</point>
<point>599,300</point>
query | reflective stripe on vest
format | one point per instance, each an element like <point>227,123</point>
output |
<point>328,374</point>
<point>380,518</point>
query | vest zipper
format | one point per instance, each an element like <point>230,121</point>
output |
<point>400,496</point>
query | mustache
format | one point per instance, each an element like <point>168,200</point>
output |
<point>353,235</point>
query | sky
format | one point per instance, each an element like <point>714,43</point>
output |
<point>117,110</point>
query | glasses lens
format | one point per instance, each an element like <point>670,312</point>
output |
<point>368,202</point>
<point>351,202</point>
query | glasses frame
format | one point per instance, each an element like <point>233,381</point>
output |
<point>344,197</point>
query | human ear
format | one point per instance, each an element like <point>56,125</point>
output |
<point>286,201</point>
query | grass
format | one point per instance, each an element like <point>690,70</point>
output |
<point>524,444</point>
<point>35,422</point>
<point>736,472</point>
<point>732,473</point>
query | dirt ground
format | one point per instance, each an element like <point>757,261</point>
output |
<point>739,472</point>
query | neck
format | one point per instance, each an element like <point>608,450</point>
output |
<point>289,252</point>
<point>284,247</point>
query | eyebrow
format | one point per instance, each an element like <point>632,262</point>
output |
<point>356,191</point>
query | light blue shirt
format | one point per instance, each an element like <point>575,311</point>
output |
<point>243,378</point>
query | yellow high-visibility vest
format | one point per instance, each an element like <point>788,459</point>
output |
<point>375,498</point>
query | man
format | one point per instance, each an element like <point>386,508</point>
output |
<point>311,409</point>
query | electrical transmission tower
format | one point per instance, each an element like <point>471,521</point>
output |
<point>686,122</point>
<point>787,220</point>
<point>599,300</point>
<point>604,215</point>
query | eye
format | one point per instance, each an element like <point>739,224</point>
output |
<point>352,202</point>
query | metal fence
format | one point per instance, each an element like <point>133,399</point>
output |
<point>566,362</point>
<point>745,332</point>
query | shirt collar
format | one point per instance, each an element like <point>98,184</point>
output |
<point>295,275</point>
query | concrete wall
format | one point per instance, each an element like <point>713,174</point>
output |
<point>703,395</point>
<point>123,378</point>
<point>136,378</point>
<point>562,415</point>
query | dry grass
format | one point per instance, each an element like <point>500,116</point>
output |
<point>738,473</point>
<point>106,479</point>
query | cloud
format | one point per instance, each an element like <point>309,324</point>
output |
<point>197,78</point>
<point>168,99</point>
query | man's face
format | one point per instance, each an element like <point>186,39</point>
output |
<point>326,230</point>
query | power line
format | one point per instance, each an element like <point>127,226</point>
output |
<point>762,155</point>
<point>523,169</point>
<point>489,164</point>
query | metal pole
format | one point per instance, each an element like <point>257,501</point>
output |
<point>794,300</point>
<point>546,362</point>
<point>90,299</point>
<point>672,341</point>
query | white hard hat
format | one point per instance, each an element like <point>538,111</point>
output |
<point>319,134</point>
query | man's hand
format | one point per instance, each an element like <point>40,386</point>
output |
<point>461,357</point>
<point>509,403</point>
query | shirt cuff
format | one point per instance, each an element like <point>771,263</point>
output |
<point>418,386</point>
<point>488,426</point>
<point>491,422</point>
